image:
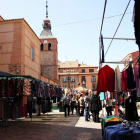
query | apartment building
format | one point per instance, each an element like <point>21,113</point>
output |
<point>72,74</point>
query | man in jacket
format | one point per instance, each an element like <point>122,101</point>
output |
<point>87,105</point>
<point>74,103</point>
<point>66,103</point>
<point>95,106</point>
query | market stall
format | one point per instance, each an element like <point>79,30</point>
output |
<point>20,96</point>
<point>122,87</point>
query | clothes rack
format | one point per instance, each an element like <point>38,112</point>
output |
<point>6,92</point>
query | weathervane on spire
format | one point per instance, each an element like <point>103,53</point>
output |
<point>46,8</point>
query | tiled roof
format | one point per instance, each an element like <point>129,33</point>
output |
<point>12,19</point>
<point>73,64</point>
<point>68,64</point>
<point>86,66</point>
<point>46,33</point>
<point>1,17</point>
<point>129,54</point>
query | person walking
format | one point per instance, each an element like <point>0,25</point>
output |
<point>74,103</point>
<point>81,103</point>
<point>87,106</point>
<point>78,104</point>
<point>95,106</point>
<point>108,103</point>
<point>66,103</point>
<point>70,95</point>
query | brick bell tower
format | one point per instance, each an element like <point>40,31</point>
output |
<point>49,54</point>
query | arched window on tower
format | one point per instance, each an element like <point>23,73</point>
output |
<point>42,47</point>
<point>49,46</point>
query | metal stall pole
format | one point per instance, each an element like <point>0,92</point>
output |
<point>101,32</point>
<point>31,109</point>
<point>6,102</point>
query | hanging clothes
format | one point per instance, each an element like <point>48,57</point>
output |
<point>124,80</point>
<point>108,95</point>
<point>116,109</point>
<point>41,90</point>
<point>133,16</point>
<point>23,107</point>
<point>102,96</point>
<point>106,79</point>
<point>19,87</point>
<point>33,88</point>
<point>138,93</point>
<point>118,82</point>
<point>137,25</point>
<point>137,22</point>
<point>51,91</point>
<point>46,88</point>
<point>3,87</point>
<point>136,78</point>
<point>131,109</point>
<point>131,84</point>
<point>27,87</point>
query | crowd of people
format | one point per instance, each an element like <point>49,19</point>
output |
<point>84,103</point>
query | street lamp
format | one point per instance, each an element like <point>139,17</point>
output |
<point>68,73</point>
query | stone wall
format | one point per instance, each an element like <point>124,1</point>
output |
<point>47,58</point>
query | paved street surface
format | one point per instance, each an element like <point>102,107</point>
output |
<point>51,127</point>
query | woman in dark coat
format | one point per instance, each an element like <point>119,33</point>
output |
<point>95,106</point>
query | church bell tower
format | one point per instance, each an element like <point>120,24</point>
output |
<point>49,54</point>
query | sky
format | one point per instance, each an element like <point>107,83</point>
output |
<point>76,25</point>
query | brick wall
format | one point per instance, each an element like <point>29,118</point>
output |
<point>49,59</point>
<point>15,65</point>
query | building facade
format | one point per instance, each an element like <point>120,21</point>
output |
<point>130,57</point>
<point>19,48</point>
<point>23,53</point>
<point>72,74</point>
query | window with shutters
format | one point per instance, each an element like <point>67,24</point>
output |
<point>83,70</point>
<point>91,70</point>
<point>65,79</point>
<point>72,79</point>
<point>83,79</point>
<point>93,78</point>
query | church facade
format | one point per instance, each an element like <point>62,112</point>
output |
<point>22,52</point>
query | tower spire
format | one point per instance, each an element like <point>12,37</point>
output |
<point>46,8</point>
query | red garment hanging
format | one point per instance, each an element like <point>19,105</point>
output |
<point>116,109</point>
<point>106,79</point>
<point>124,80</point>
